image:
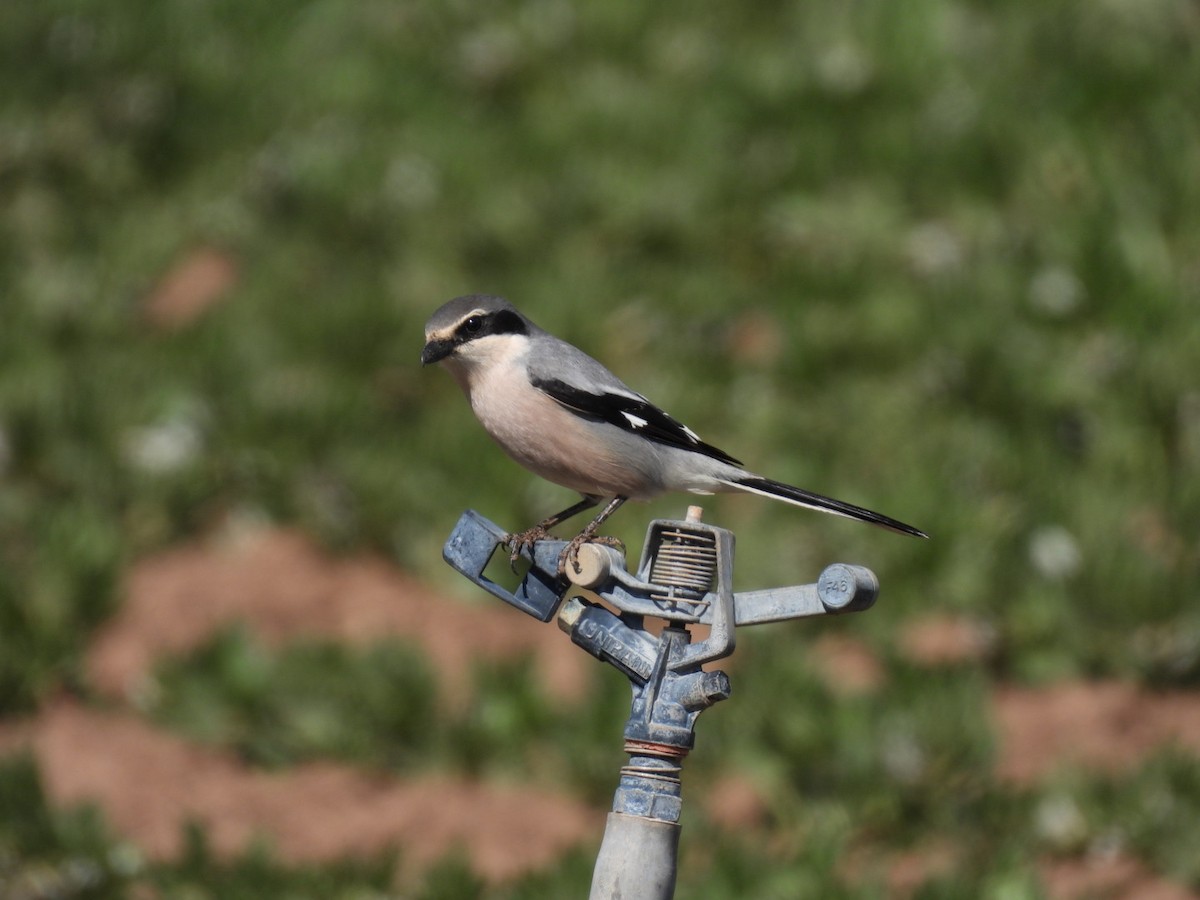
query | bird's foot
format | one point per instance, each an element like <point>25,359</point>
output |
<point>515,543</point>
<point>570,554</point>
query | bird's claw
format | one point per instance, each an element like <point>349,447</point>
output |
<point>570,553</point>
<point>515,543</point>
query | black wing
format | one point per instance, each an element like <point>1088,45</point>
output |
<point>632,413</point>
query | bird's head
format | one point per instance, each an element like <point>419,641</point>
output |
<point>472,330</point>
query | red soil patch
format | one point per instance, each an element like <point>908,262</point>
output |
<point>189,288</point>
<point>1104,725</point>
<point>902,872</point>
<point>847,665</point>
<point>283,587</point>
<point>1110,878</point>
<point>936,641</point>
<point>1091,878</point>
<point>908,871</point>
<point>735,802</point>
<point>150,784</point>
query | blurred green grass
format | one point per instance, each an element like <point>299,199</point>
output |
<point>937,258</point>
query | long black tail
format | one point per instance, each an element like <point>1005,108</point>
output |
<point>800,497</point>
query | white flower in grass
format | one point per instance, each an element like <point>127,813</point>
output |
<point>164,447</point>
<point>1054,552</point>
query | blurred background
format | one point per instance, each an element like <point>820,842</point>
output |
<point>941,259</point>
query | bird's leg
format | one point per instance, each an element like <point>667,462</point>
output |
<point>588,536</point>
<point>530,536</point>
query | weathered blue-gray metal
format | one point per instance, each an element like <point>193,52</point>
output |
<point>685,577</point>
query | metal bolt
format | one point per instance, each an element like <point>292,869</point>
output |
<point>570,613</point>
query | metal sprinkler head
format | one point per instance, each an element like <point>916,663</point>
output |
<point>684,578</point>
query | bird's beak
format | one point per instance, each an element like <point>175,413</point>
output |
<point>435,350</point>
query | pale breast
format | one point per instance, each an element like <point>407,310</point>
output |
<point>589,457</point>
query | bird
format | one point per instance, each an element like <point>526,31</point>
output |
<point>562,415</point>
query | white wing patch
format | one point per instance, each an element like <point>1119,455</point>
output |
<point>637,423</point>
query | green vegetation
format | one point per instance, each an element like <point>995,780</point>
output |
<point>377,708</point>
<point>941,259</point>
<point>312,701</point>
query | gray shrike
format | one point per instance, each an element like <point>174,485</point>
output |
<point>565,417</point>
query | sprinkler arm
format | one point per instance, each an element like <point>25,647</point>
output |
<point>841,588</point>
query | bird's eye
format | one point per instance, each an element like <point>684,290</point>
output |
<point>473,324</point>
